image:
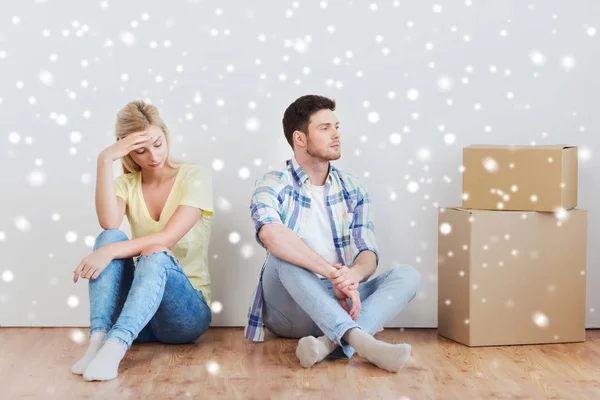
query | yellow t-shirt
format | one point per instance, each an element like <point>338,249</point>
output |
<point>192,187</point>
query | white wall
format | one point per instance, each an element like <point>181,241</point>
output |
<point>95,59</point>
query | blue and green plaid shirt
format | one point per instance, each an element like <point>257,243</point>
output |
<point>280,197</point>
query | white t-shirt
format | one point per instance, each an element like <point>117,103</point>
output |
<point>318,234</point>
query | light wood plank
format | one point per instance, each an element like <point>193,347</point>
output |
<point>35,363</point>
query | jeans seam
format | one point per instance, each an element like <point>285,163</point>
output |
<point>146,312</point>
<point>118,294</point>
<point>151,304</point>
<point>161,286</point>
<point>166,269</point>
<point>182,272</point>
<point>114,305</point>
<point>200,294</point>
<point>179,269</point>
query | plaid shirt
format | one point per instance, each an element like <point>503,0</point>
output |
<point>280,197</point>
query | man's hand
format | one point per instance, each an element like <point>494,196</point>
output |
<point>354,295</point>
<point>91,266</point>
<point>341,296</point>
<point>343,277</point>
<point>350,292</point>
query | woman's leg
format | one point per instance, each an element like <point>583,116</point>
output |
<point>107,295</point>
<point>161,297</point>
<point>183,315</point>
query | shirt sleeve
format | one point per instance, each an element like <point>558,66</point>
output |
<point>363,227</point>
<point>121,187</point>
<point>266,201</point>
<point>197,190</point>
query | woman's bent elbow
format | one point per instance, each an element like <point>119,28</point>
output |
<point>108,225</point>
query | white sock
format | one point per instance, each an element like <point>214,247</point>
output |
<point>390,357</point>
<point>93,346</point>
<point>312,350</point>
<point>105,366</point>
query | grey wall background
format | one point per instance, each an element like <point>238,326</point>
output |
<point>415,81</point>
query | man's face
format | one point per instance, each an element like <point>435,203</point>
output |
<point>323,139</point>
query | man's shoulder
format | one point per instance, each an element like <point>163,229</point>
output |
<point>275,177</point>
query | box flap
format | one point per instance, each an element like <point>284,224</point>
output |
<point>452,208</point>
<point>520,147</point>
<point>478,211</point>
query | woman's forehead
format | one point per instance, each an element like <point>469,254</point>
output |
<point>154,131</point>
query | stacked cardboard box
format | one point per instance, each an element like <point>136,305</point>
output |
<point>512,259</point>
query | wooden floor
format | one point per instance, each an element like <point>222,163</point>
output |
<point>35,363</point>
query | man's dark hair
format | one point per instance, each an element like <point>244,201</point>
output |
<point>297,115</point>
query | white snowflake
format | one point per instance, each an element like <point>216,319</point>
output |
<point>412,187</point>
<point>540,319</point>
<point>537,57</point>
<point>373,117</point>
<point>412,94</point>
<point>128,38</point>
<point>234,237</point>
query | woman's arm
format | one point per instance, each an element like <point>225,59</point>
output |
<point>178,225</point>
<point>182,220</point>
<point>109,208</point>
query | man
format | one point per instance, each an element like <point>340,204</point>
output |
<point>316,223</point>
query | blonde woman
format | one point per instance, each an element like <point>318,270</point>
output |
<point>163,295</point>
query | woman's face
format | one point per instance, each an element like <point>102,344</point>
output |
<point>154,155</point>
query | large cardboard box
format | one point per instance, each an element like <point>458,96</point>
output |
<point>508,277</point>
<point>529,178</point>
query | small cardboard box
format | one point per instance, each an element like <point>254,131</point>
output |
<point>508,278</point>
<point>527,178</point>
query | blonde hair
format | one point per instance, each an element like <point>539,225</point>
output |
<point>134,117</point>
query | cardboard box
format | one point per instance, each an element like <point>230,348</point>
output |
<point>529,178</point>
<point>508,277</point>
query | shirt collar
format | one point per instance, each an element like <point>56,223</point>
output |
<point>302,177</point>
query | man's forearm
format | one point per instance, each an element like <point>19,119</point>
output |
<point>284,244</point>
<point>365,265</point>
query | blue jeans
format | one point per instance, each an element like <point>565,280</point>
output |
<point>297,303</point>
<point>151,302</point>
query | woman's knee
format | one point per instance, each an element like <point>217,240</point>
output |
<point>154,248</point>
<point>154,258</point>
<point>109,236</point>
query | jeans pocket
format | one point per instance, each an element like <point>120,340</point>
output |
<point>276,322</point>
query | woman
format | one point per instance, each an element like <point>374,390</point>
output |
<point>165,297</point>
